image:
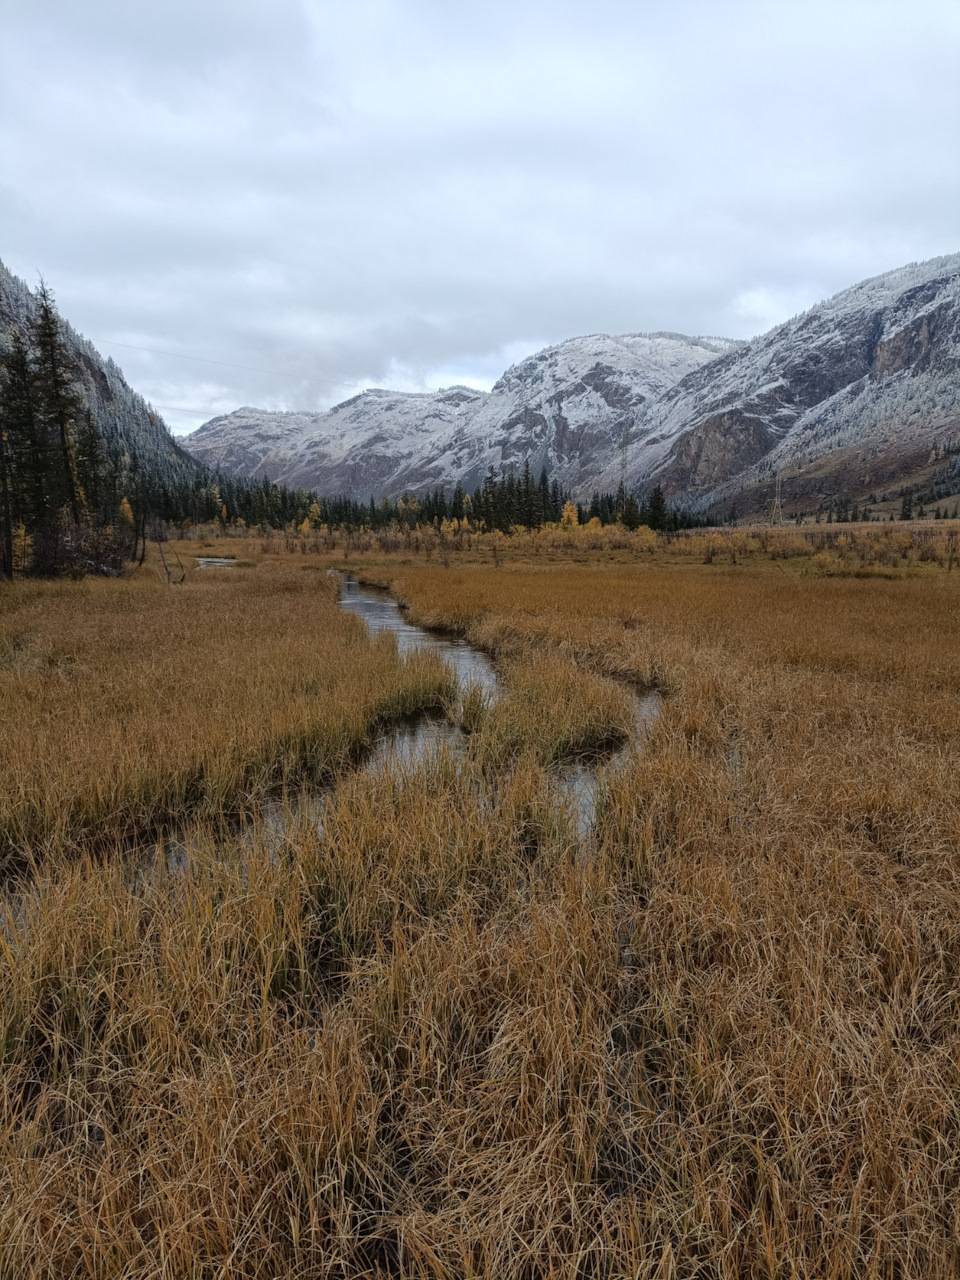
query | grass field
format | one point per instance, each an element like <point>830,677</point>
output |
<point>441,1034</point>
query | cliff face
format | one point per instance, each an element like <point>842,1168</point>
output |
<point>851,393</point>
<point>871,374</point>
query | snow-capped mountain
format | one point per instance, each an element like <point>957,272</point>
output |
<point>566,408</point>
<point>357,448</point>
<point>571,407</point>
<point>844,398</point>
<point>851,395</point>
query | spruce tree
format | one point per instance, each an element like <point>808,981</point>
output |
<point>59,406</point>
<point>556,502</point>
<point>6,502</point>
<point>527,491</point>
<point>657,510</point>
<point>93,471</point>
<point>27,445</point>
<point>543,498</point>
<point>631,514</point>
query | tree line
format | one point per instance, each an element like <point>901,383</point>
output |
<point>76,499</point>
<point>505,502</point>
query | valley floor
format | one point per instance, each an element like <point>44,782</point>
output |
<point>427,1026</point>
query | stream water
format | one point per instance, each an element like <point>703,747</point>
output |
<point>578,780</point>
<point>381,612</point>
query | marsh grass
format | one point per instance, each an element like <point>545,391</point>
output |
<point>441,1035</point>
<point>128,704</point>
<point>574,711</point>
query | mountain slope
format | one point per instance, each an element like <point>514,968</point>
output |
<point>855,394</point>
<point>569,407</point>
<point>844,398</point>
<point>565,408</point>
<point>126,422</point>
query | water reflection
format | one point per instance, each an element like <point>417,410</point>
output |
<point>381,612</point>
<point>579,781</point>
<point>216,562</point>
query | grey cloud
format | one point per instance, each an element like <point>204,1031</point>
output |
<point>349,193</point>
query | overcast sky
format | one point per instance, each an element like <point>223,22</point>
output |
<point>410,193</point>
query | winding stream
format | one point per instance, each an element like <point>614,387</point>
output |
<point>381,612</point>
<point>579,780</point>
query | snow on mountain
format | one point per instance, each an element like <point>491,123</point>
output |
<point>564,408</point>
<point>875,369</point>
<point>842,398</point>
<point>569,407</point>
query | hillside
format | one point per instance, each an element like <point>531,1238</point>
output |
<point>87,467</point>
<point>860,393</point>
<point>565,408</point>
<point>126,422</point>
<point>852,396</point>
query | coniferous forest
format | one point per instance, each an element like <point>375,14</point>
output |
<point>89,472</point>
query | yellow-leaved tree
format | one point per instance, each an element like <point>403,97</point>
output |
<point>22,549</point>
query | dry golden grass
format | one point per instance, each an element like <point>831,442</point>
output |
<point>443,1036</point>
<point>841,549</point>
<point>127,704</point>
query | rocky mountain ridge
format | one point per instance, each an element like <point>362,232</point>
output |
<point>566,408</point>
<point>852,394</point>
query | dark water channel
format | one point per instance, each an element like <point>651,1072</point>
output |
<point>411,741</point>
<point>381,612</point>
<point>579,781</point>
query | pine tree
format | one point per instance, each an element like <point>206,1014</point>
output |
<point>57,402</point>
<point>456,503</point>
<point>657,510</point>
